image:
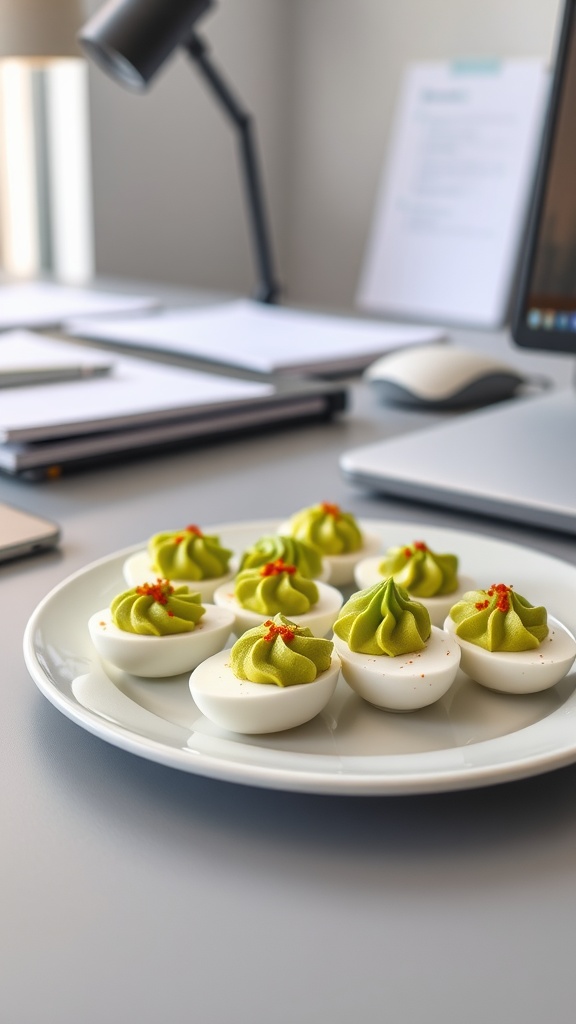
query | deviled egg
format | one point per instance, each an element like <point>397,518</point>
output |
<point>391,654</point>
<point>336,535</point>
<point>275,677</point>
<point>269,548</point>
<point>156,630</point>
<point>188,556</point>
<point>428,577</point>
<point>277,587</point>
<point>507,644</point>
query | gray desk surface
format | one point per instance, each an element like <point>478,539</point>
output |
<point>133,892</point>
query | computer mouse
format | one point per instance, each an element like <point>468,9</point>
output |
<point>442,377</point>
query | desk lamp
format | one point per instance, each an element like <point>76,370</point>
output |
<point>131,40</point>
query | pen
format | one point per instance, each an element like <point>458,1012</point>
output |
<point>23,376</point>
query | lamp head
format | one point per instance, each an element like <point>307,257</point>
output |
<point>36,30</point>
<point>131,39</point>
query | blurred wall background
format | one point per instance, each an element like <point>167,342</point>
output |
<point>321,78</point>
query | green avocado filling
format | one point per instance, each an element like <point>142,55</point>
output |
<point>157,609</point>
<point>421,572</point>
<point>275,587</point>
<point>281,653</point>
<point>383,620</point>
<point>306,558</point>
<point>188,554</point>
<point>498,619</point>
<point>327,528</point>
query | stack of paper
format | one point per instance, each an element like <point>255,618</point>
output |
<point>139,404</point>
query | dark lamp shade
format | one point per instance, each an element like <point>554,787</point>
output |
<point>39,28</point>
<point>131,39</point>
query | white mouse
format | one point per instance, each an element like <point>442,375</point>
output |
<point>442,377</point>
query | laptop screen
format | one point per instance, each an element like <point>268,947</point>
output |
<point>545,310</point>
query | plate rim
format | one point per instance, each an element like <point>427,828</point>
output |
<point>290,779</point>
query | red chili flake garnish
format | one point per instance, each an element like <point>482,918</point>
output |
<point>192,528</point>
<point>417,545</point>
<point>282,631</point>
<point>159,591</point>
<point>502,592</point>
<point>330,509</point>
<point>275,568</point>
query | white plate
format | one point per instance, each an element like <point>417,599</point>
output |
<point>471,737</point>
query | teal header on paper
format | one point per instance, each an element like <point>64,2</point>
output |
<point>477,66</point>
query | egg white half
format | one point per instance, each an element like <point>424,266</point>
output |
<point>157,656</point>
<point>406,682</point>
<point>522,671</point>
<point>244,707</point>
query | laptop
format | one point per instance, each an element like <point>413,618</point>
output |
<point>514,460</point>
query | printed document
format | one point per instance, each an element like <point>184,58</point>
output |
<point>455,192</point>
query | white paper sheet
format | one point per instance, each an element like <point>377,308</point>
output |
<point>28,351</point>
<point>260,337</point>
<point>42,304</point>
<point>454,192</point>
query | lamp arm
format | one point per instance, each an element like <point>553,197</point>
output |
<point>268,288</point>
